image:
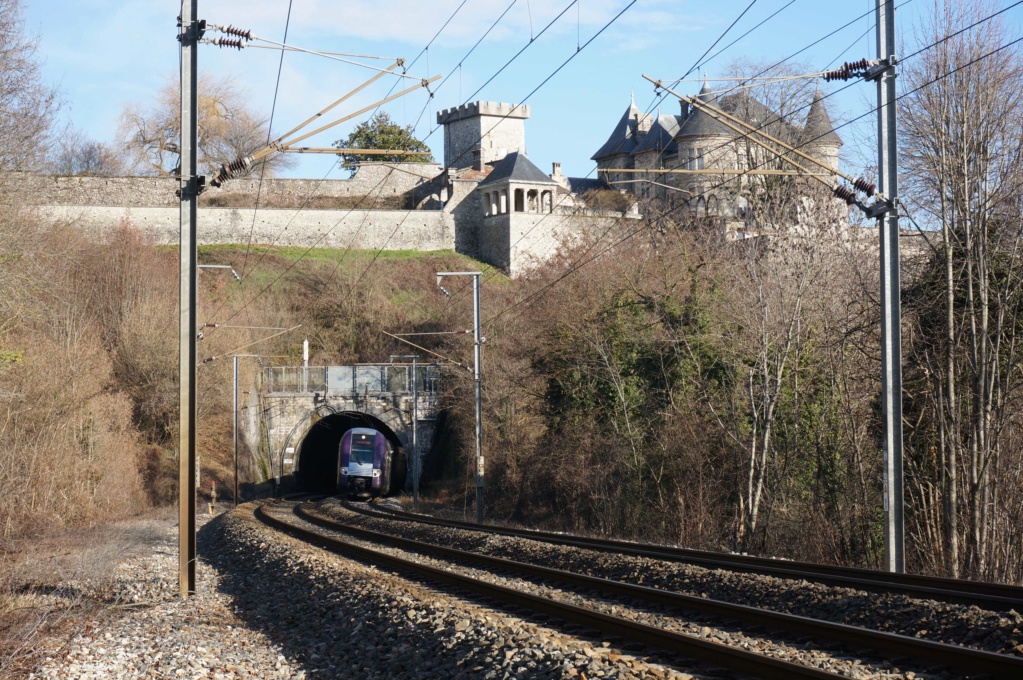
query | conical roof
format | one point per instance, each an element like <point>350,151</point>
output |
<point>515,167</point>
<point>661,137</point>
<point>623,138</point>
<point>818,128</point>
<point>700,123</point>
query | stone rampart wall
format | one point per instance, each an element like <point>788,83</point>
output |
<point>385,179</point>
<point>368,229</point>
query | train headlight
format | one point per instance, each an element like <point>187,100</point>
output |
<point>376,473</point>
<point>344,471</point>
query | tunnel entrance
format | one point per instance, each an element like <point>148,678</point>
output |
<point>316,471</point>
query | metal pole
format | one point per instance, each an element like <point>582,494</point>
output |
<point>891,312</point>
<point>417,460</point>
<point>415,464</point>
<point>478,378</point>
<point>187,301</point>
<point>235,409</point>
<point>305,365</point>
<point>477,373</point>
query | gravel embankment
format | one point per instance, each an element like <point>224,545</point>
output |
<point>791,649</point>
<point>147,631</point>
<point>939,621</point>
<point>268,606</point>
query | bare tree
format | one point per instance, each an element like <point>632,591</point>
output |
<point>75,154</point>
<point>228,129</point>
<point>961,146</point>
<point>27,105</point>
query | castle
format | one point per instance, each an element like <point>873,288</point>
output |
<point>693,158</point>
<point>486,200</point>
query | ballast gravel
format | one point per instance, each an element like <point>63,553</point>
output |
<point>939,621</point>
<point>268,606</point>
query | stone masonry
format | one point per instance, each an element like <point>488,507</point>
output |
<point>491,128</point>
<point>386,206</point>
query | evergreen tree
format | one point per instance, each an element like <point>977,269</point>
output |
<point>380,132</point>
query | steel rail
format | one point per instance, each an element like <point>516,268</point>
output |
<point>995,596</point>
<point>650,636</point>
<point>928,651</point>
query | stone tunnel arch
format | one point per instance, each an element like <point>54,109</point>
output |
<point>316,468</point>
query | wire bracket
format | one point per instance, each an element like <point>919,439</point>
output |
<point>193,33</point>
<point>193,186</point>
<point>883,67</point>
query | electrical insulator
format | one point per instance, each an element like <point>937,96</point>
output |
<point>869,188</point>
<point>231,30</point>
<point>846,194</point>
<point>227,42</point>
<point>228,170</point>
<point>847,70</point>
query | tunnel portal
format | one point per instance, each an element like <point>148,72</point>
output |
<point>316,471</point>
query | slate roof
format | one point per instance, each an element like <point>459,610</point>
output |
<point>623,139</point>
<point>661,137</point>
<point>580,185</point>
<point>700,123</point>
<point>666,130</point>
<point>748,108</point>
<point>515,167</point>
<point>818,128</point>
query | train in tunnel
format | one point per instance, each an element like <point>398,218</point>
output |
<point>368,465</point>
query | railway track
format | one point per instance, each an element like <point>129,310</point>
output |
<point>665,605</point>
<point>993,596</point>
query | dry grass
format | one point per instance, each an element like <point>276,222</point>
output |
<point>54,586</point>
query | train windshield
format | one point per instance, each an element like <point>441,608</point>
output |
<point>362,449</point>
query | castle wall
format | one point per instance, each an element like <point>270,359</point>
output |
<point>497,129</point>
<point>467,211</point>
<point>825,153</point>
<point>385,178</point>
<point>493,241</point>
<point>369,229</point>
<point>523,241</point>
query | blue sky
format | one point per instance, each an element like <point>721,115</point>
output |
<point>105,54</point>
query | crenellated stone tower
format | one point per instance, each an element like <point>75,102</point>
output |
<point>481,133</point>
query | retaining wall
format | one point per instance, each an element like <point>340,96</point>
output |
<point>369,229</point>
<point>385,179</point>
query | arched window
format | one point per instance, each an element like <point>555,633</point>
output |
<point>532,200</point>
<point>712,206</point>
<point>520,200</point>
<point>546,202</point>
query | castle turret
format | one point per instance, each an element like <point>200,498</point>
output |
<point>479,133</point>
<point>699,123</point>
<point>819,134</point>
<point>703,143</point>
<point>624,137</point>
<point>616,152</point>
